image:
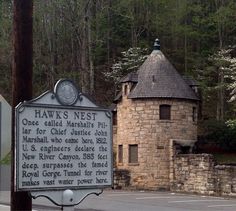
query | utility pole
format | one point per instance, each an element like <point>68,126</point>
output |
<point>21,83</point>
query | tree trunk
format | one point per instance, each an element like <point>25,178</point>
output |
<point>90,54</point>
<point>220,100</point>
<point>109,33</point>
<point>84,51</point>
<point>185,49</point>
<point>221,96</point>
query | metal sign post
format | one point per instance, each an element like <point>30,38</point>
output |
<point>63,147</point>
<point>21,81</point>
<point>67,199</point>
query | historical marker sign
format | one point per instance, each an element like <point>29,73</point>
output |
<point>63,146</point>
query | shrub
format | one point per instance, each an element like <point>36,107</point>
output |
<point>220,133</point>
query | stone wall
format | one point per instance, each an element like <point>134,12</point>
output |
<point>114,140</point>
<point>194,173</point>
<point>226,180</point>
<point>197,173</point>
<point>121,179</point>
<point>138,123</point>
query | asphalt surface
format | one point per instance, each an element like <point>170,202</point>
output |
<point>136,201</point>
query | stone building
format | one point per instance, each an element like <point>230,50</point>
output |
<point>156,113</point>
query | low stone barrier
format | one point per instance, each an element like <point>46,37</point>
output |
<point>121,178</point>
<point>192,173</point>
<point>198,173</point>
<point>226,180</point>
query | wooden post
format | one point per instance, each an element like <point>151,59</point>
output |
<point>21,82</point>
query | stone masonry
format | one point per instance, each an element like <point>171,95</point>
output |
<point>198,173</point>
<point>138,123</point>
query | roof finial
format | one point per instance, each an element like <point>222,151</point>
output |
<point>157,45</point>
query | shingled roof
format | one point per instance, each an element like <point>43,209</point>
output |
<point>130,77</point>
<point>157,78</point>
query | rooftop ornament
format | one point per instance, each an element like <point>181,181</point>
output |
<point>157,45</point>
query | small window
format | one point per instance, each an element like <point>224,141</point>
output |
<point>133,153</point>
<point>165,112</point>
<point>126,89</point>
<point>194,114</point>
<point>120,153</point>
<point>114,119</point>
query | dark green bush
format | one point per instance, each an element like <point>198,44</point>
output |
<point>222,134</point>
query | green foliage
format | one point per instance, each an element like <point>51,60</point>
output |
<point>82,39</point>
<point>218,83</point>
<point>130,61</point>
<point>225,158</point>
<point>5,47</point>
<point>222,134</point>
<point>6,160</point>
<point>231,124</point>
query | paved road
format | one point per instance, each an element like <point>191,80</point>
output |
<point>141,201</point>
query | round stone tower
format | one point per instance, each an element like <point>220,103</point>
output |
<point>156,108</point>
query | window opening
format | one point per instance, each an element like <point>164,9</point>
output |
<point>126,89</point>
<point>194,114</point>
<point>165,112</point>
<point>133,153</point>
<point>120,153</point>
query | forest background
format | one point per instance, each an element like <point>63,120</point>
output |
<point>96,42</point>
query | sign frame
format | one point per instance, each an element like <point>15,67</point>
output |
<point>43,102</point>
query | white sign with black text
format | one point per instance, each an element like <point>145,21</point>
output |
<point>59,146</point>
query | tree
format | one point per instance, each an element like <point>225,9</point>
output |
<point>230,68</point>
<point>81,39</point>
<point>129,62</point>
<point>217,80</point>
<point>6,28</point>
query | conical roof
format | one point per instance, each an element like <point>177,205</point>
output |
<point>157,78</point>
<point>130,77</point>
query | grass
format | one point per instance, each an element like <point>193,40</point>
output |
<point>6,160</point>
<point>225,158</point>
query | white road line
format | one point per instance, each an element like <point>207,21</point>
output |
<point>164,197</point>
<point>203,200</point>
<point>222,205</point>
<point>182,194</point>
<point>129,194</point>
<point>155,197</point>
<point>113,193</point>
<point>145,193</point>
<point>151,195</point>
